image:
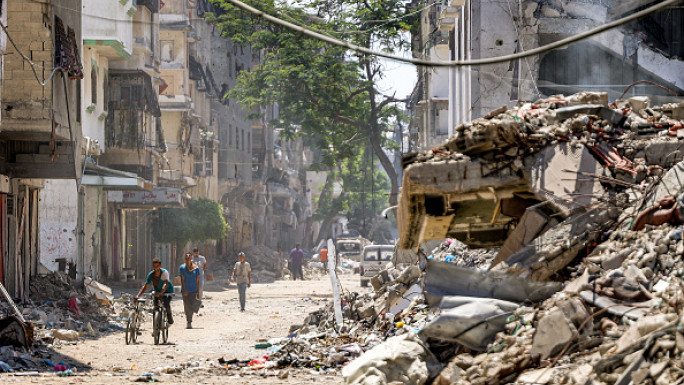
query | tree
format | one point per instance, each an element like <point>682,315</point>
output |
<point>200,221</point>
<point>328,91</point>
<point>364,192</point>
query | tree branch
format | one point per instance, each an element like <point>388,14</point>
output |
<point>388,100</point>
<point>357,92</point>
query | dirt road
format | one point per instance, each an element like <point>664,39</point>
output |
<point>220,331</point>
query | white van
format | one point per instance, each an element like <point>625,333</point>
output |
<point>375,259</point>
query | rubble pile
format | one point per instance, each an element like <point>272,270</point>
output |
<point>58,313</point>
<point>455,251</point>
<point>267,266</point>
<point>587,288</point>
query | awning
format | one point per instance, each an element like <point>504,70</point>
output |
<point>158,197</point>
<point>111,179</point>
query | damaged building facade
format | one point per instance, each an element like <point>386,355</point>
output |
<point>648,49</point>
<point>41,128</point>
<point>480,198</point>
<point>132,116</point>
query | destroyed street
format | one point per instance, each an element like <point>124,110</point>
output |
<point>386,192</point>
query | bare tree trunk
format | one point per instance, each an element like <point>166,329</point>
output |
<point>389,169</point>
<point>325,226</point>
<point>374,134</point>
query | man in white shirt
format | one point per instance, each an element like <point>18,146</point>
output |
<point>201,263</point>
<point>242,275</point>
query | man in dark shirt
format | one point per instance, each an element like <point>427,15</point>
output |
<point>296,262</point>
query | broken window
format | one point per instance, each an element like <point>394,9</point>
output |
<point>105,88</point>
<point>166,50</point>
<point>66,50</point>
<point>93,85</point>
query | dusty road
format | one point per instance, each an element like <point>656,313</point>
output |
<point>221,331</point>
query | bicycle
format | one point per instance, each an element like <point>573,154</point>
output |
<point>160,320</point>
<point>134,324</point>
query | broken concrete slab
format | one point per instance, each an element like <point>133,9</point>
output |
<point>444,279</point>
<point>561,174</point>
<point>633,312</point>
<point>553,333</point>
<point>531,225</point>
<point>643,327</point>
<point>554,249</point>
<point>98,290</point>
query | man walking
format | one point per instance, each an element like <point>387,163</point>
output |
<point>242,275</point>
<point>296,262</point>
<point>201,262</point>
<point>189,274</point>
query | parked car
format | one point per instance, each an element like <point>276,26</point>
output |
<point>375,258</point>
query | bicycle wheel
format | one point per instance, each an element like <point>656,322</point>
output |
<point>165,328</point>
<point>131,329</point>
<point>156,325</point>
<point>138,326</point>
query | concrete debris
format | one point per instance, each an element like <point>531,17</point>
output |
<point>97,290</point>
<point>58,312</point>
<point>457,252</point>
<point>584,200</point>
<point>402,358</point>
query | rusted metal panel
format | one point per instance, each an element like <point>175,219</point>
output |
<point>14,332</point>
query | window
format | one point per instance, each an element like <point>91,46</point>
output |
<point>93,84</point>
<point>249,141</point>
<point>230,136</point>
<point>166,50</point>
<point>243,139</point>
<point>77,82</point>
<point>105,89</point>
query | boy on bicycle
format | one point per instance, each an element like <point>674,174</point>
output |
<point>159,279</point>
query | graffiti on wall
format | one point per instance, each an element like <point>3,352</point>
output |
<point>58,240</point>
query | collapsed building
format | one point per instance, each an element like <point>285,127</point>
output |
<point>568,164</point>
<point>580,196</point>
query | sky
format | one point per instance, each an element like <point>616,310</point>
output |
<point>400,77</point>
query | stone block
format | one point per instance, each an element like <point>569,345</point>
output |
<point>366,311</point>
<point>575,311</point>
<point>553,333</point>
<point>639,103</point>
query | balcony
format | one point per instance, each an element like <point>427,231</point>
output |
<point>126,129</point>
<point>133,107</point>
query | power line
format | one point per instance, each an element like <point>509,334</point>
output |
<point>32,64</point>
<point>494,60</point>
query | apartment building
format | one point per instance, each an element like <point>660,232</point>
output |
<point>41,130</point>
<point>118,109</point>
<point>649,49</point>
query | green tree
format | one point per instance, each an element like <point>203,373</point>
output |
<point>363,197</point>
<point>328,91</point>
<point>200,221</point>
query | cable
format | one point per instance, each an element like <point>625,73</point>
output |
<point>647,82</point>
<point>527,63</point>
<point>494,60</point>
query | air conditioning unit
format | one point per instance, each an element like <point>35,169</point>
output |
<point>91,147</point>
